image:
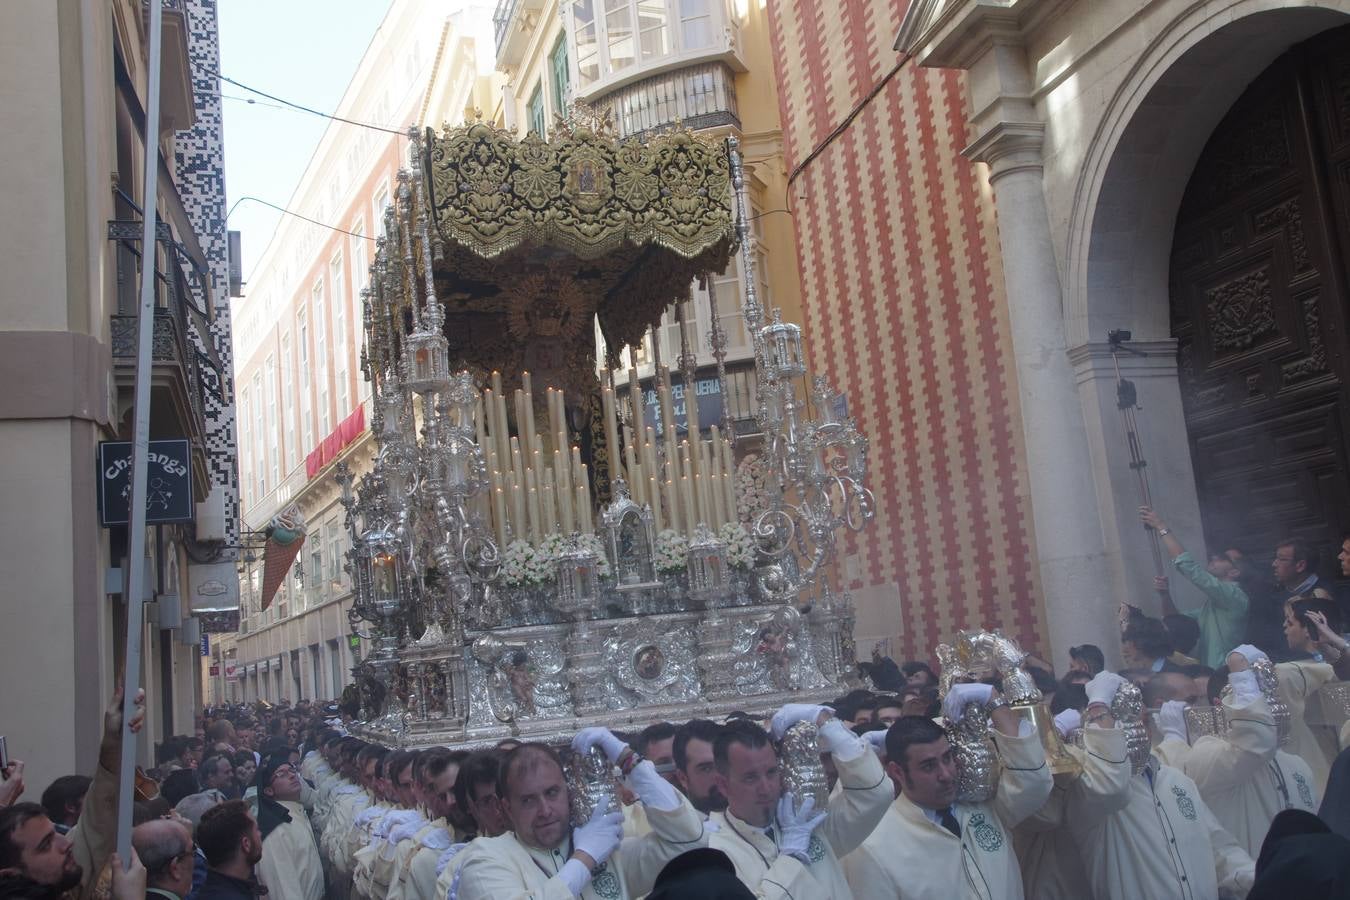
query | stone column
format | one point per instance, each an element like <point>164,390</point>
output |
<point>1075,575</point>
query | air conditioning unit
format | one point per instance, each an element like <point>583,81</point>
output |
<point>170,611</point>
<point>190,633</point>
<point>211,516</point>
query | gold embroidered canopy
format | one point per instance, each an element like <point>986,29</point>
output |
<point>538,236</point>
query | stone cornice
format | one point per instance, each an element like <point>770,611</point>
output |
<point>1009,147</point>
<point>953,34</point>
<point>1143,359</point>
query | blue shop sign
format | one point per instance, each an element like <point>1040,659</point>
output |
<point>168,486</point>
<point>708,396</point>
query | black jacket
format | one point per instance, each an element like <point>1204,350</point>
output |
<point>19,887</point>
<point>219,886</point>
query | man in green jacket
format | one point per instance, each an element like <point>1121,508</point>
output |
<point>1223,616</point>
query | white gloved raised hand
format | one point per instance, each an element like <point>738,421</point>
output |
<point>1246,689</point>
<point>797,826</point>
<point>1067,722</point>
<point>601,737</point>
<point>792,713</point>
<point>653,790</point>
<point>1102,688</point>
<point>838,740</point>
<point>959,696</point>
<point>1171,720</point>
<point>878,740</point>
<point>1250,653</point>
<point>601,835</point>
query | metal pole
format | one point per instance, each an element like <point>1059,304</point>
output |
<point>1126,401</point>
<point>140,446</point>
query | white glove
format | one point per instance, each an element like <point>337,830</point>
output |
<point>1067,722</point>
<point>797,826</point>
<point>653,790</point>
<point>449,853</point>
<point>792,713</point>
<point>878,740</point>
<point>961,695</point>
<point>1171,719</point>
<point>600,737</point>
<point>837,740</point>
<point>1102,688</point>
<point>600,837</point>
<point>1246,690</point>
<point>1250,653</point>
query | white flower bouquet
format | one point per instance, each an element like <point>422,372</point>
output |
<point>672,551</point>
<point>740,546</point>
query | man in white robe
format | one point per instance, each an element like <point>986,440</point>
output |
<point>782,846</point>
<point>1299,684</point>
<point>542,857</point>
<point>1243,778</point>
<point>1051,867</point>
<point>414,874</point>
<point>1162,843</point>
<point>930,846</point>
<point>291,868</point>
<point>432,872</point>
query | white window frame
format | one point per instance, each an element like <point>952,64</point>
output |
<point>721,20</point>
<point>288,398</point>
<point>306,382</point>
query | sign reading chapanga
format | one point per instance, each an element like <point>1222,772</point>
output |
<point>168,484</point>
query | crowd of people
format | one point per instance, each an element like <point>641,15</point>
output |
<point>283,801</point>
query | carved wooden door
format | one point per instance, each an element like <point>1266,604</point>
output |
<point>1259,306</point>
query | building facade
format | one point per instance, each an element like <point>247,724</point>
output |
<point>303,400</point>
<point>75,77</point>
<point>1024,178</point>
<point>651,66</point>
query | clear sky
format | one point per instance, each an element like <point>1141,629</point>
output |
<point>304,51</point>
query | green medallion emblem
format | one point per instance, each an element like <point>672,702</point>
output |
<point>816,849</point>
<point>1185,805</point>
<point>1304,790</point>
<point>988,836</point>
<point>605,883</point>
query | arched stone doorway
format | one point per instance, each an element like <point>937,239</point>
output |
<point>1260,305</point>
<point>1125,200</point>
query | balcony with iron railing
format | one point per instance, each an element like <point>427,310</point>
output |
<point>512,23</point>
<point>183,368</point>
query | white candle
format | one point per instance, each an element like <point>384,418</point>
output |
<point>530,438</point>
<point>565,494</point>
<point>611,430</point>
<point>655,503</point>
<point>672,506</point>
<point>499,515</point>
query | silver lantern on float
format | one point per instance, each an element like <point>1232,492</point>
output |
<point>578,578</point>
<point>707,567</point>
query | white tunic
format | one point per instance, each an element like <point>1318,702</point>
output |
<point>1299,681</point>
<point>291,868</point>
<point>502,868</point>
<point>910,857</point>
<point>1164,844</point>
<point>854,812</point>
<point>1231,770</point>
<point>404,850</point>
<point>1051,867</point>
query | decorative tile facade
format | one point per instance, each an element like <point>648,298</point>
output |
<point>905,310</point>
<point>199,157</point>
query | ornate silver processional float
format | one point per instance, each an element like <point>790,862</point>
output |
<point>534,550</point>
